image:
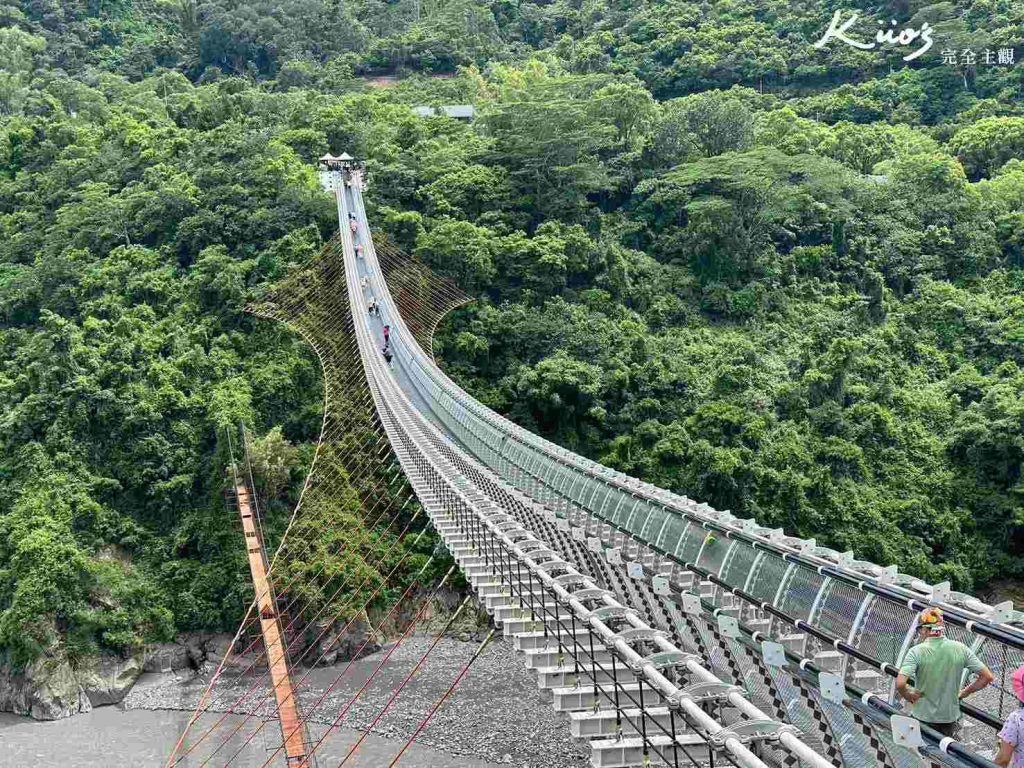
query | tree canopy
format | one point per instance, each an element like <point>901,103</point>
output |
<point>784,280</point>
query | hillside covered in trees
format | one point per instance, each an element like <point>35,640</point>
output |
<point>785,280</point>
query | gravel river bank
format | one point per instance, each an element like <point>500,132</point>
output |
<point>497,717</point>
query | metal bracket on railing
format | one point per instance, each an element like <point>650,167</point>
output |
<point>703,692</point>
<point>1002,613</point>
<point>664,660</point>
<point>595,593</point>
<point>637,635</point>
<point>609,613</point>
<point>747,731</point>
<point>530,545</point>
<point>558,565</point>
<point>569,579</point>
<point>885,575</point>
<point>543,556</point>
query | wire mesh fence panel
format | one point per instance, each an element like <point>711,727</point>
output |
<point>598,496</point>
<point>653,524</point>
<point>594,495</point>
<point>690,544</point>
<point>758,682</point>
<point>883,630</point>
<point>640,515</point>
<point>839,608</point>
<point>999,699</point>
<point>671,533</point>
<point>766,581</point>
<point>713,554</point>
<point>853,744</point>
<point>977,735</point>
<point>775,756</point>
<point>618,500</point>
<point>659,618</point>
<point>711,649</point>
<point>902,757</point>
<point>758,691</point>
<point>739,564</point>
<point>634,599</point>
<point>683,630</point>
<point>622,510</point>
<point>798,713</point>
<point>801,592</point>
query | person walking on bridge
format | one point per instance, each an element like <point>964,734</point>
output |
<point>937,665</point>
<point>387,334</point>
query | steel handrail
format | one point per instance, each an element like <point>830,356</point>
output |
<point>390,397</point>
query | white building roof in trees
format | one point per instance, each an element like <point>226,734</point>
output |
<point>458,111</point>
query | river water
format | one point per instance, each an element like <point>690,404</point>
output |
<point>110,736</point>
<point>496,718</point>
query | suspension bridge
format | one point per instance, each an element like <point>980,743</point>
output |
<point>667,632</point>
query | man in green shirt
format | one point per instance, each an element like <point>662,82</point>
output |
<point>937,666</point>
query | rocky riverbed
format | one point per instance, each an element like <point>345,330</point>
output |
<point>497,716</point>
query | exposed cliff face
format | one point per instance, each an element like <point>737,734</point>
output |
<point>369,631</point>
<point>472,624</point>
<point>51,688</point>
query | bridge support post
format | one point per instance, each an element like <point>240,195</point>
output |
<point>292,730</point>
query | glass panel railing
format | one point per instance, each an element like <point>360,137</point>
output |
<point>670,534</point>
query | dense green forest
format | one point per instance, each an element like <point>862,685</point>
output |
<point>785,280</point>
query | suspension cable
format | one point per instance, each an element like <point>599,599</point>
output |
<point>444,698</point>
<point>405,682</point>
<point>408,631</point>
<point>369,636</point>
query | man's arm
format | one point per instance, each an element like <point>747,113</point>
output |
<point>908,669</point>
<point>977,666</point>
<point>903,686</point>
<point>984,678</point>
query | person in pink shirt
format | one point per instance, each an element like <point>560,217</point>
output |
<point>1011,748</point>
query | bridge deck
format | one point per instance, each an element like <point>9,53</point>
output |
<point>788,637</point>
